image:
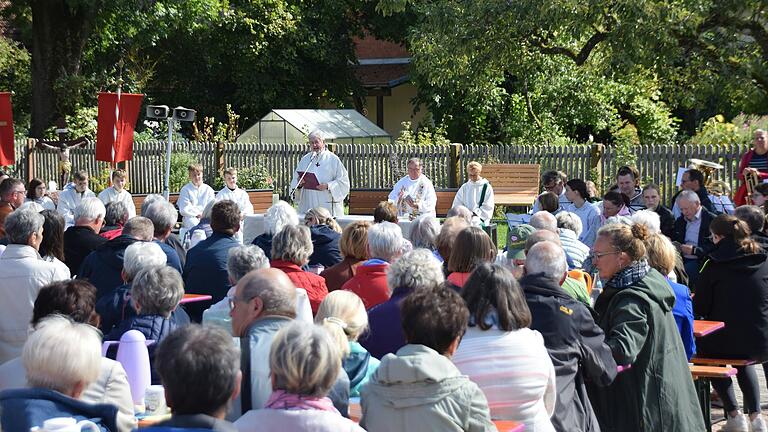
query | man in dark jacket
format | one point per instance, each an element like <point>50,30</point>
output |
<point>206,269</point>
<point>103,266</point>
<point>83,238</point>
<point>755,219</point>
<point>692,237</point>
<point>693,180</point>
<point>574,342</point>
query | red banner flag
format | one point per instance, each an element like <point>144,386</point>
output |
<point>117,135</point>
<point>7,155</point>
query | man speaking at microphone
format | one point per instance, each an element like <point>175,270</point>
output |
<point>320,179</point>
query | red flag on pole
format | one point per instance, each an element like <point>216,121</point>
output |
<point>121,142</point>
<point>7,155</point>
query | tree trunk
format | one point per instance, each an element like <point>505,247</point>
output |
<point>59,34</point>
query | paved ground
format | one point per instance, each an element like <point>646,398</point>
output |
<point>717,413</point>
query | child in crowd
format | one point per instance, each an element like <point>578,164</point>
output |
<point>117,192</point>
<point>194,196</point>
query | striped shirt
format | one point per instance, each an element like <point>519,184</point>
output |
<point>760,162</point>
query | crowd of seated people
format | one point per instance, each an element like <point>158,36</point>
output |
<point>583,322</point>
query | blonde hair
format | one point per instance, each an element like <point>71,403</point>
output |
<point>661,253</point>
<point>196,167</point>
<point>474,165</point>
<point>231,171</point>
<point>354,240</point>
<point>119,174</point>
<point>304,360</point>
<point>321,216</point>
<point>343,314</point>
<point>626,239</point>
<point>61,353</point>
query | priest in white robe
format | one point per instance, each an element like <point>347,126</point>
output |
<point>70,198</point>
<point>414,195</point>
<point>476,194</point>
<point>193,198</point>
<point>332,179</point>
<point>117,192</point>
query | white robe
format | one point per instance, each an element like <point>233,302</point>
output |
<point>239,196</point>
<point>68,201</point>
<point>192,201</point>
<point>469,196</point>
<point>421,190</point>
<point>109,195</point>
<point>328,169</point>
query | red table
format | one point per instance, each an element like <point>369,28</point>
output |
<point>703,328</point>
<point>509,426</point>
<point>191,298</point>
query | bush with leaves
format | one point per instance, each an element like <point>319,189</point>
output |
<point>740,130</point>
<point>252,177</point>
<point>179,172</point>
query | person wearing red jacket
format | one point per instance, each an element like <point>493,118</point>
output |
<point>291,249</point>
<point>755,160</point>
<point>385,245</point>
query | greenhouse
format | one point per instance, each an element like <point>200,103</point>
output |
<point>344,126</point>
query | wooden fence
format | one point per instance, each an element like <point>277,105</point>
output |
<point>380,165</point>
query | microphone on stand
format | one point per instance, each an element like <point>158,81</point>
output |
<point>292,193</point>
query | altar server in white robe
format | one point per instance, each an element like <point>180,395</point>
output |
<point>194,196</point>
<point>70,198</point>
<point>117,192</point>
<point>332,178</point>
<point>232,192</point>
<point>476,194</point>
<point>414,194</point>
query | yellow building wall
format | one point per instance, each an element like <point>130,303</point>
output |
<point>397,109</point>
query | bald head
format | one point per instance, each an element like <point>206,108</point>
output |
<point>544,220</point>
<point>541,236</point>
<point>272,286</point>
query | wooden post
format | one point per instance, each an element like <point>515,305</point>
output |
<point>29,160</point>
<point>595,158</point>
<point>332,146</point>
<point>219,158</point>
<point>454,165</point>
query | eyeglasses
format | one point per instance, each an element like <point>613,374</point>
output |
<point>19,192</point>
<point>597,255</point>
<point>233,300</point>
<point>549,188</point>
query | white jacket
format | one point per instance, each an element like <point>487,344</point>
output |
<point>192,201</point>
<point>469,196</point>
<point>22,274</point>
<point>109,195</point>
<point>68,201</point>
<point>239,196</point>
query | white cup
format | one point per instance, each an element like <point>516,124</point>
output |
<point>66,424</point>
<point>154,400</point>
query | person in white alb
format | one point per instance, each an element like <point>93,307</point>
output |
<point>414,195</point>
<point>231,192</point>
<point>476,194</point>
<point>70,198</point>
<point>332,179</point>
<point>117,192</point>
<point>194,196</point>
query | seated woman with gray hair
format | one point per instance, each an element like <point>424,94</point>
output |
<point>291,249</point>
<point>326,234</point>
<point>114,220</point>
<point>424,231</point>
<point>304,363</point>
<point>155,294</point>
<point>61,358</point>
<point>277,217</point>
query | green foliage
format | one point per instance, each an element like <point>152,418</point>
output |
<point>100,181</point>
<point>740,130</point>
<point>424,135</point>
<point>15,76</point>
<point>252,177</point>
<point>82,123</point>
<point>179,173</point>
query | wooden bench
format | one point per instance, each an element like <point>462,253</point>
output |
<point>701,375</point>
<point>364,201</point>
<point>260,198</point>
<point>513,184</point>
<point>700,361</point>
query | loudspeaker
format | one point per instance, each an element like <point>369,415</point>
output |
<point>159,112</point>
<point>183,114</point>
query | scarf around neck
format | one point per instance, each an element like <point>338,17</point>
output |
<point>630,274</point>
<point>280,399</point>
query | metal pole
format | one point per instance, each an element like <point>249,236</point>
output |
<point>166,188</point>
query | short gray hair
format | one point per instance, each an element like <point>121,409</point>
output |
<point>140,255</point>
<point>157,290</point>
<point>418,269</point>
<point>273,287</point>
<point>116,212</point>
<point>415,160</point>
<point>689,196</point>
<point>90,209</point>
<point>21,224</point>
<point>543,220</point>
<point>461,212</point>
<point>385,241</point>
<point>277,217</point>
<point>424,231</point>
<point>139,228</point>
<point>649,218</point>
<point>304,360</point>
<point>317,133</point>
<point>163,216</point>
<point>548,258</point>
<point>148,200</point>
<point>61,353</point>
<point>244,258</point>
<point>293,243</point>
<point>571,221</point>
